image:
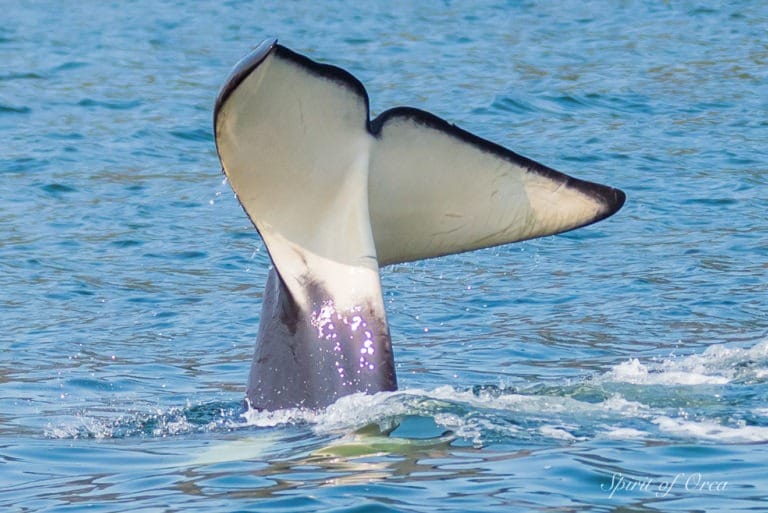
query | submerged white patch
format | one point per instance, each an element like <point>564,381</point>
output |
<point>241,449</point>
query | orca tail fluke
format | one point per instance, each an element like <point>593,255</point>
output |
<point>335,196</point>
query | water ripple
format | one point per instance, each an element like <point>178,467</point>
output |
<point>532,375</point>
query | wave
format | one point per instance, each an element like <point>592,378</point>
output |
<point>696,397</point>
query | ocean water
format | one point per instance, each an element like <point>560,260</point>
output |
<point>621,367</point>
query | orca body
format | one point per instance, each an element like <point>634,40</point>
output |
<point>335,195</point>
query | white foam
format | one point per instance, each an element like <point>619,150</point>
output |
<point>265,419</point>
<point>617,403</point>
<point>472,428</point>
<point>477,418</point>
<point>625,433</point>
<point>711,430</point>
<point>558,433</point>
<point>348,413</point>
<point>63,431</point>
<point>636,373</point>
<point>717,365</point>
<point>358,410</point>
<point>535,404</point>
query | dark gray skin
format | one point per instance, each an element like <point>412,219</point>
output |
<point>309,360</point>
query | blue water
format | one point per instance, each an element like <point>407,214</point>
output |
<point>621,367</point>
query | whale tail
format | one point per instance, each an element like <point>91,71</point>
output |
<point>336,195</point>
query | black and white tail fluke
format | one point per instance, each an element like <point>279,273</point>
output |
<point>335,196</point>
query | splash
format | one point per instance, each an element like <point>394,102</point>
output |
<point>158,423</point>
<point>655,400</point>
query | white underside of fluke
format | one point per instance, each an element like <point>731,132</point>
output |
<point>432,193</point>
<point>349,284</point>
<point>296,152</point>
<point>334,197</point>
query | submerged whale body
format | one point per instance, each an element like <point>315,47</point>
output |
<point>335,196</point>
